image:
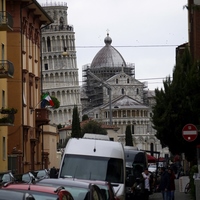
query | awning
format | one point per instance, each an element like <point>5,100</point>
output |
<point>161,159</point>
<point>151,159</point>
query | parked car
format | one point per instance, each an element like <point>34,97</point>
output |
<point>16,195</point>
<point>41,193</point>
<point>25,178</point>
<point>40,174</point>
<point>80,190</point>
<point>152,168</point>
<point>106,188</point>
<point>6,177</point>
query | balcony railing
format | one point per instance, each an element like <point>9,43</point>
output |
<point>7,119</point>
<point>42,116</point>
<point>6,21</point>
<point>6,69</point>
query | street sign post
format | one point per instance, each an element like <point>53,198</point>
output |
<point>189,132</point>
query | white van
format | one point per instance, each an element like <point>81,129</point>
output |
<point>92,159</point>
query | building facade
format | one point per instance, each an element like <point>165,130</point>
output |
<point>112,95</point>
<point>6,72</point>
<point>25,141</point>
<point>59,64</point>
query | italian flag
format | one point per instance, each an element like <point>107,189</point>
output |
<point>48,98</point>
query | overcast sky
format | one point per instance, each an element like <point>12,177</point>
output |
<point>145,32</point>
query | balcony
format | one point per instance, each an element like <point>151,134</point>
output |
<point>41,116</point>
<point>7,119</point>
<point>6,69</point>
<point>7,116</point>
<point>6,21</point>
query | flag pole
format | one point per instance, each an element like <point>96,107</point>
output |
<point>33,109</point>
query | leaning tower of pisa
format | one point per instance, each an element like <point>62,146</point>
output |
<point>59,65</point>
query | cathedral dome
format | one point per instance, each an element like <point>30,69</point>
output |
<point>108,56</point>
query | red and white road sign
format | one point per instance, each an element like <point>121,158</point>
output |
<point>190,132</point>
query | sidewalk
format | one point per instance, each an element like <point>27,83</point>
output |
<point>178,194</point>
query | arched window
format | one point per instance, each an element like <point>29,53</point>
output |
<point>116,81</point>
<point>49,44</point>
<point>137,91</point>
<point>61,23</point>
<point>122,90</point>
<point>127,80</point>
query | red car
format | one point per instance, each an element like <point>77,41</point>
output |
<point>106,188</point>
<point>42,193</point>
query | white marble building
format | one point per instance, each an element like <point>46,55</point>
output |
<point>130,101</point>
<point>59,70</point>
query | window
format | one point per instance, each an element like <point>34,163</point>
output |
<point>137,91</point>
<point>122,90</point>
<point>3,51</point>
<point>128,80</point>
<point>49,44</point>
<point>46,66</point>
<point>132,129</point>
<point>3,98</point>
<point>31,76</point>
<point>97,116</point>
<point>4,148</point>
<point>116,81</point>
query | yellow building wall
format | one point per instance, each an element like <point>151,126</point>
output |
<point>50,139</point>
<point>3,102</point>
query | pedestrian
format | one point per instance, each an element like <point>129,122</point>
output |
<point>172,178</point>
<point>53,172</point>
<point>146,178</point>
<point>164,183</point>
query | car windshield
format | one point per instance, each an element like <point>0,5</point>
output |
<point>92,168</point>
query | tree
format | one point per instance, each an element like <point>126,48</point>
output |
<point>76,128</point>
<point>177,105</point>
<point>93,127</point>
<point>129,139</point>
<point>56,102</point>
<point>85,117</point>
<point>59,126</point>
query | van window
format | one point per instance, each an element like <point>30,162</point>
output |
<point>92,168</point>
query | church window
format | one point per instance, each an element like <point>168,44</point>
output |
<point>122,90</point>
<point>116,81</point>
<point>127,80</point>
<point>97,116</point>
<point>132,129</point>
<point>46,66</point>
<point>137,91</point>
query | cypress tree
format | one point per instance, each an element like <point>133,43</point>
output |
<point>76,128</point>
<point>129,139</point>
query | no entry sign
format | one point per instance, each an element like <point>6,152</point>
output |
<point>189,132</point>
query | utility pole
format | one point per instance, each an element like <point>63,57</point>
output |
<point>105,85</point>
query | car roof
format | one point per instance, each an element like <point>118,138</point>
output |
<point>32,187</point>
<point>66,182</point>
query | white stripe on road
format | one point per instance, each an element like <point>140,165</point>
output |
<point>189,132</point>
